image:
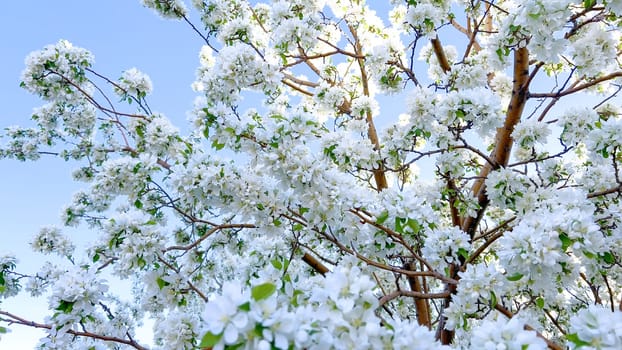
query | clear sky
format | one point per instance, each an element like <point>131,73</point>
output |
<point>121,34</point>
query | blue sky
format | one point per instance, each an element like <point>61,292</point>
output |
<point>121,34</point>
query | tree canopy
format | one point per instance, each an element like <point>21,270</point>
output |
<point>427,174</point>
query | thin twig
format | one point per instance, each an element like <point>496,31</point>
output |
<point>14,319</point>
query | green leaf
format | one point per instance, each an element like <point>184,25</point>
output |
<point>96,257</point>
<point>276,263</point>
<point>463,253</point>
<point>382,217</point>
<point>138,204</point>
<point>259,329</point>
<point>262,291</point>
<point>493,299</point>
<point>217,146</point>
<point>49,65</point>
<point>499,52</point>
<point>540,303</point>
<point>245,307</point>
<point>140,131</point>
<point>566,241</point>
<point>398,225</point>
<point>329,152</point>
<point>136,168</point>
<point>589,3</point>
<point>414,225</point>
<point>209,340</point>
<point>3,330</point>
<point>161,283</point>
<point>2,281</point>
<point>65,306</point>
<point>141,262</point>
<point>608,258</point>
<point>515,277</point>
<point>574,338</point>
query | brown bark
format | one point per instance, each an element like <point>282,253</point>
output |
<point>380,177</point>
<point>315,263</point>
<point>503,140</point>
<point>443,335</point>
<point>440,54</point>
<point>500,157</point>
<point>421,305</point>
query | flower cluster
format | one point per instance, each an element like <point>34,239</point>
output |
<point>9,282</point>
<point>502,334</point>
<point>594,50</point>
<point>337,313</point>
<point>167,8</point>
<point>426,16</point>
<point>238,67</point>
<point>134,83</point>
<point>596,328</point>
<point>478,283</point>
<point>445,116</point>
<point>57,73</point>
<point>73,294</point>
<point>531,136</point>
<point>50,240</point>
<point>446,246</point>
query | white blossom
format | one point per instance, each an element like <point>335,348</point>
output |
<point>596,328</point>
<point>503,334</point>
<point>167,8</point>
<point>135,83</point>
<point>50,240</point>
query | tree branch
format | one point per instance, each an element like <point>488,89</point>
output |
<point>206,235</point>
<point>577,88</point>
<point>379,174</point>
<point>440,54</point>
<point>407,293</point>
<point>503,140</point>
<point>14,319</point>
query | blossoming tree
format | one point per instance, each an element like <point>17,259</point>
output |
<point>486,216</point>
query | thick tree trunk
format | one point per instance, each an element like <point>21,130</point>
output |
<point>500,156</point>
